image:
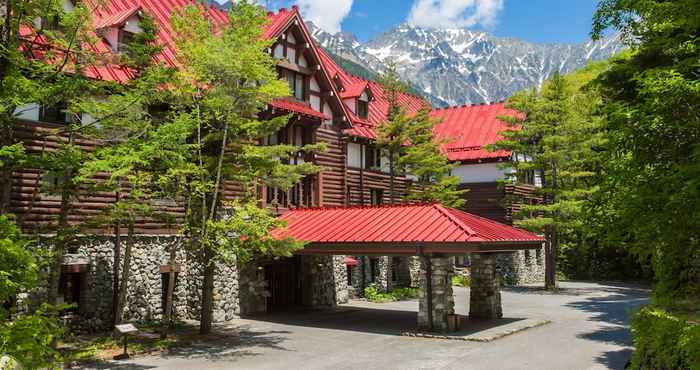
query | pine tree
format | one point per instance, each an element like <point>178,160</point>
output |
<point>556,134</point>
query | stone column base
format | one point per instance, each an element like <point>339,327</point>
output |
<point>485,293</point>
<point>436,301</point>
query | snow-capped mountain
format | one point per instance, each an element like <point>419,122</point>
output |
<point>459,66</point>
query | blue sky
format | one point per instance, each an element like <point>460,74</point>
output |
<point>567,21</point>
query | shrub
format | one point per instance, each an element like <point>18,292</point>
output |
<point>374,294</point>
<point>664,341</point>
<point>461,280</point>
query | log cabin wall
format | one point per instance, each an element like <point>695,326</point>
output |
<point>373,181</point>
<point>332,179</point>
<point>37,211</point>
<point>497,202</point>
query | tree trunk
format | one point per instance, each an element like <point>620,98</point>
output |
<point>205,320</point>
<point>126,271</point>
<point>62,233</point>
<point>550,273</point>
<point>168,309</point>
<point>391,178</point>
<point>6,138</point>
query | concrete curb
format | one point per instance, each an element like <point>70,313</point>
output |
<point>532,323</point>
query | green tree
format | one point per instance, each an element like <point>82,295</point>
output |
<point>26,337</point>
<point>412,148</point>
<point>29,74</point>
<point>557,135</point>
<point>225,81</point>
<point>651,196</point>
<point>424,159</point>
<point>392,135</point>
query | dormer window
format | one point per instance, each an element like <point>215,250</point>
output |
<point>124,39</point>
<point>362,109</point>
<point>57,113</point>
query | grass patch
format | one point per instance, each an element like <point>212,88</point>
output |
<point>374,294</point>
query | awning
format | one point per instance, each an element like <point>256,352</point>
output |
<point>411,229</point>
<point>350,261</point>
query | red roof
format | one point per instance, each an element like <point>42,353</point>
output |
<point>378,109</point>
<point>298,107</point>
<point>116,19</point>
<point>408,223</point>
<point>468,129</point>
<point>354,91</point>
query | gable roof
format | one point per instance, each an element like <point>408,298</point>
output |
<point>378,109</point>
<point>470,128</point>
<point>399,224</point>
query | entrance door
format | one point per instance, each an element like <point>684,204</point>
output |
<point>284,284</point>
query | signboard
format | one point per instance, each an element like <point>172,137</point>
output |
<point>126,329</point>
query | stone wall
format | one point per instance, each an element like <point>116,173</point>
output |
<point>521,267</point>
<point>144,301</point>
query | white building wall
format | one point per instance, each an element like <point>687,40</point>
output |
<point>480,172</point>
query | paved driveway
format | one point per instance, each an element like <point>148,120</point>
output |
<point>588,331</point>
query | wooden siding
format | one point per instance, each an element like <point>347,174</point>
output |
<point>38,211</point>
<point>373,180</point>
<point>497,202</point>
<point>332,178</point>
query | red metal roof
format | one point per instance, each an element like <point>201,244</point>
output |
<point>470,128</point>
<point>378,108</point>
<point>408,223</point>
<point>354,91</point>
<point>298,107</point>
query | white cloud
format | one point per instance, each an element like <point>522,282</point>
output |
<point>454,13</point>
<point>327,14</point>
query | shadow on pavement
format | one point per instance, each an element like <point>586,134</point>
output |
<point>370,320</point>
<point>613,311</point>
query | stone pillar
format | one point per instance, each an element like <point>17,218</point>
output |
<point>435,300</point>
<point>384,274</point>
<point>485,294</point>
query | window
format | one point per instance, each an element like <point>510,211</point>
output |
<point>297,85</point>
<point>362,109</point>
<point>125,38</point>
<point>57,113</point>
<point>376,196</point>
<point>373,157</point>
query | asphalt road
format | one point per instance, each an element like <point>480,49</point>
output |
<point>588,330</point>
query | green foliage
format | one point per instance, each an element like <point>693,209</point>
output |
<point>650,200</point>
<point>373,294</point>
<point>559,136</point>
<point>412,148</point>
<point>461,280</point>
<point>26,337</point>
<point>664,340</point>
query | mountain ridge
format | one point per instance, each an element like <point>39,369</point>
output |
<point>461,66</point>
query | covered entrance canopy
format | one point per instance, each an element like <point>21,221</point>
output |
<point>431,231</point>
<point>409,229</point>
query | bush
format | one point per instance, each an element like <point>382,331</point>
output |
<point>664,341</point>
<point>374,294</point>
<point>461,280</point>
